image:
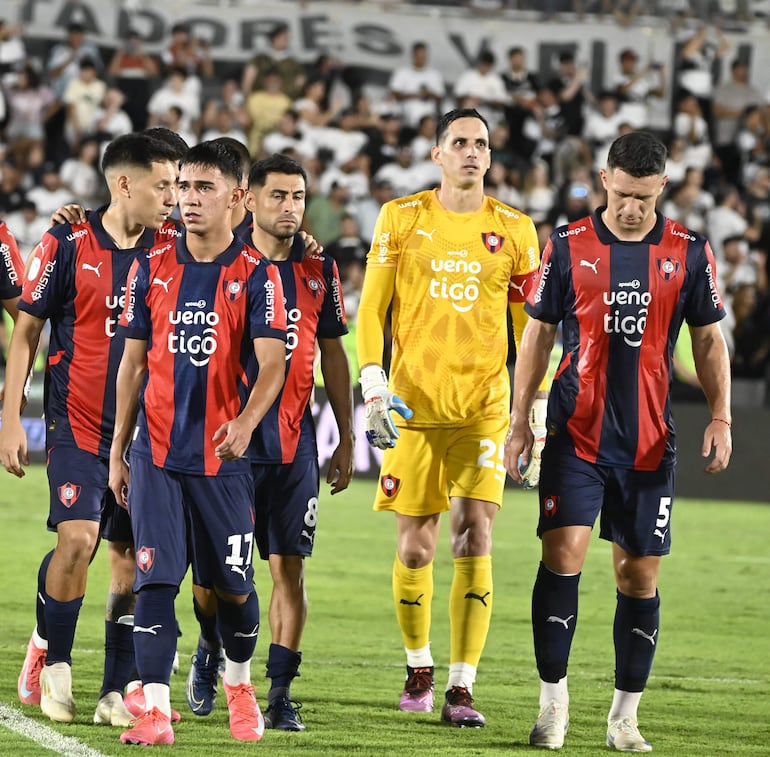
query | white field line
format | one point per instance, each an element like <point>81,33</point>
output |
<point>44,736</point>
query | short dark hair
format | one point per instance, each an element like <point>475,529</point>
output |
<point>240,149</point>
<point>639,154</point>
<point>278,29</point>
<point>137,149</point>
<point>275,163</point>
<point>171,138</point>
<point>487,57</point>
<point>452,116</point>
<point>213,154</point>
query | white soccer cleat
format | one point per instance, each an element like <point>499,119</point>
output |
<point>551,726</point>
<point>111,711</point>
<point>623,735</point>
<point>56,692</point>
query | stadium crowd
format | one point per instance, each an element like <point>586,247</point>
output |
<point>363,145</point>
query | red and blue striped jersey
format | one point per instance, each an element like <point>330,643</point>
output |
<point>200,320</point>
<point>314,309</point>
<point>621,305</point>
<point>11,265</point>
<point>77,279</point>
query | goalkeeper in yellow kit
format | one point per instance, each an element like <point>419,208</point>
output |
<point>449,262</point>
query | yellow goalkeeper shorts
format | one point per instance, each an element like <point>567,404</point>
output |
<point>428,466</point>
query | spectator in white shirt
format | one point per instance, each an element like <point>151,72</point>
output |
<point>482,88</point>
<point>28,226</point>
<point>418,87</point>
<point>635,85</point>
<point>175,92</point>
<point>51,194</point>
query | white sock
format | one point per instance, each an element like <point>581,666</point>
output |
<point>419,658</point>
<point>624,704</point>
<point>461,674</point>
<point>237,673</point>
<point>554,691</point>
<point>158,695</point>
<point>38,640</point>
<point>131,685</point>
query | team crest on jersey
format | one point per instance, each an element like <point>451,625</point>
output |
<point>234,288</point>
<point>68,494</point>
<point>145,557</point>
<point>314,286</point>
<point>668,268</point>
<point>390,485</point>
<point>550,506</point>
<point>493,242</point>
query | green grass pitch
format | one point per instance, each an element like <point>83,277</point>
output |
<point>708,694</point>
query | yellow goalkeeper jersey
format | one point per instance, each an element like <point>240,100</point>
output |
<point>450,278</point>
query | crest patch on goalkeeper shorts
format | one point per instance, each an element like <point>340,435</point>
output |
<point>390,485</point>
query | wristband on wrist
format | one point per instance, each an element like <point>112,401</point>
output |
<point>721,420</point>
<point>372,376</point>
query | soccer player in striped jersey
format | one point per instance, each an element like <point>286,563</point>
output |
<point>11,270</point>
<point>451,262</point>
<point>204,359</point>
<point>283,448</point>
<point>11,277</point>
<point>76,279</point>
<point>621,282</point>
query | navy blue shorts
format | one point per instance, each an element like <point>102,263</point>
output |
<point>286,507</point>
<point>78,485</point>
<point>180,519</point>
<point>116,522</point>
<point>635,506</point>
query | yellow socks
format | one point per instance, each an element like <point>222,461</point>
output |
<point>470,608</point>
<point>413,595</point>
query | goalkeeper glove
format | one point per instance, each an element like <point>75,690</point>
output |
<point>530,476</point>
<point>381,432</point>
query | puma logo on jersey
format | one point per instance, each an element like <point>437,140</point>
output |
<point>308,536</point>
<point>592,266</point>
<point>661,534</point>
<point>162,283</point>
<point>95,268</point>
<point>518,287</point>
<point>239,571</point>
<point>649,637</point>
<point>429,234</point>
<point>416,601</point>
<point>482,599</point>
<point>557,619</point>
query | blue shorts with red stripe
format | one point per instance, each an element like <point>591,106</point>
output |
<point>180,519</point>
<point>635,506</point>
<point>286,507</point>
